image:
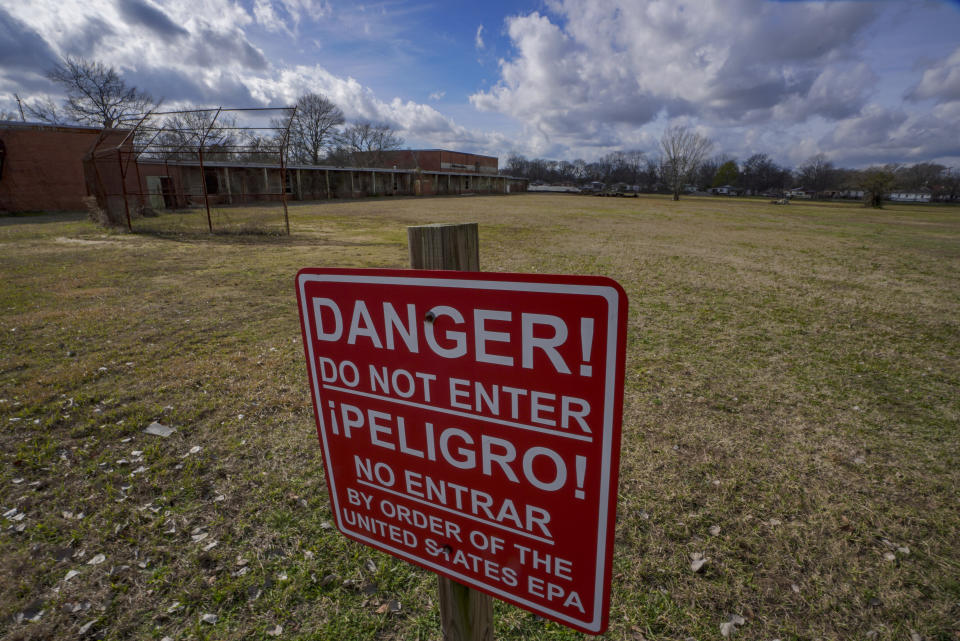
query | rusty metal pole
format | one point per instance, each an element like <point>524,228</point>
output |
<point>283,175</point>
<point>123,189</point>
<point>283,192</point>
<point>166,170</point>
<point>135,155</point>
<point>140,185</point>
<point>203,176</point>
<point>203,184</point>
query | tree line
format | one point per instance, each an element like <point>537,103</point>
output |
<point>682,163</point>
<point>315,133</point>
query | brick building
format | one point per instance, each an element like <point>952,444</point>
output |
<point>43,168</point>
<point>41,165</point>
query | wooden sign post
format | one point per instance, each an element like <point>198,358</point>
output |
<point>465,614</point>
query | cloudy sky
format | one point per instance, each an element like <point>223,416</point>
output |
<point>860,81</point>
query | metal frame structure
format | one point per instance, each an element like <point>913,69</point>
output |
<point>185,137</point>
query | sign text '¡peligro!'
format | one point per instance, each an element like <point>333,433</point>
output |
<point>492,455</point>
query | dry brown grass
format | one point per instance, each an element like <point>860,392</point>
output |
<point>792,378</point>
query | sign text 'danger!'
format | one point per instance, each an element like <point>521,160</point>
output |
<point>470,423</point>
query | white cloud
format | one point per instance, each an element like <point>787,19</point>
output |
<point>284,16</point>
<point>412,119</point>
<point>605,66</point>
<point>941,81</point>
<point>881,134</point>
<point>267,17</point>
<point>204,57</point>
<point>212,34</point>
<point>837,92</point>
<point>582,78</point>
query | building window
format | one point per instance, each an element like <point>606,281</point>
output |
<point>212,182</point>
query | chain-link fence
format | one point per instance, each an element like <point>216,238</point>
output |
<point>223,170</point>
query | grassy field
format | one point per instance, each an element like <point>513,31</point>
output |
<point>791,414</point>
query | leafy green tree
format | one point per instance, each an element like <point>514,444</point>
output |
<point>727,174</point>
<point>876,183</point>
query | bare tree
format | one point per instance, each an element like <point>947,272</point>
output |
<point>817,174</point>
<point>919,175</point>
<point>183,133</point>
<point>760,174</point>
<point>96,96</point>
<point>46,110</point>
<point>258,148</point>
<point>366,145</point>
<point>516,165</point>
<point>313,128</point>
<point>948,187</point>
<point>683,151</point>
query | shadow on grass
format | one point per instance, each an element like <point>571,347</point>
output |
<point>40,217</point>
<point>238,236</point>
<point>269,237</point>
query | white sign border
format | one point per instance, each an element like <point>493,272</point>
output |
<point>608,293</point>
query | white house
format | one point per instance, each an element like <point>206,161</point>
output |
<point>921,195</point>
<point>851,193</point>
<point>724,190</point>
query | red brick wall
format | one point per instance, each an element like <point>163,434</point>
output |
<point>43,167</point>
<point>434,160</point>
<point>488,164</point>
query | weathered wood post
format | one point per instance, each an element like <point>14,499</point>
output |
<point>465,614</point>
<point>444,246</point>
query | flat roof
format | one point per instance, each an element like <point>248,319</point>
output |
<point>451,151</point>
<point>19,124</point>
<point>255,165</point>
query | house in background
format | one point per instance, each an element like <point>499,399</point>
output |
<point>922,195</point>
<point>853,194</point>
<point>725,190</point>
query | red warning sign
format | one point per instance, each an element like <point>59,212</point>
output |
<point>470,423</point>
